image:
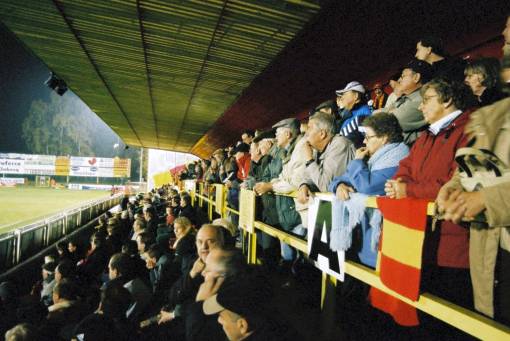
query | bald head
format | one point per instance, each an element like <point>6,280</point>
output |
<point>208,237</point>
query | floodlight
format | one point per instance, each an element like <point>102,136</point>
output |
<point>56,84</point>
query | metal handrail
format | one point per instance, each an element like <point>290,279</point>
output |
<point>96,205</point>
<point>464,319</point>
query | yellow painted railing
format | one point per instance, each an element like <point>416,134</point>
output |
<point>464,319</point>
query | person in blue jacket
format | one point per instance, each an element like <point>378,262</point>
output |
<point>373,165</point>
<point>354,110</point>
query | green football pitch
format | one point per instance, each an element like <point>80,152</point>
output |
<point>20,206</point>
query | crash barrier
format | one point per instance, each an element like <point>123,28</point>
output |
<point>22,243</point>
<point>214,196</point>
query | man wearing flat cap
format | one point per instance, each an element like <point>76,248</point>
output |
<point>286,174</point>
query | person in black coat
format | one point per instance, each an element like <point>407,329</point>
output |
<point>187,210</point>
<point>91,268</point>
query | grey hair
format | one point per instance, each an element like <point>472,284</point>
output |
<point>293,131</point>
<point>324,121</point>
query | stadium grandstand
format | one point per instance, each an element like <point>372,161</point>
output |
<point>339,171</point>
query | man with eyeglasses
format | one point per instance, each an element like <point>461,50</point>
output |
<point>406,108</point>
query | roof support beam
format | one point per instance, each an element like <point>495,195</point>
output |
<point>69,24</point>
<point>147,69</point>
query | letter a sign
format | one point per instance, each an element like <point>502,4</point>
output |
<point>319,229</point>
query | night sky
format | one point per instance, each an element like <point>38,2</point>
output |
<point>22,77</point>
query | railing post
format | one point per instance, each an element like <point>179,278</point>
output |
<point>252,252</point>
<point>46,232</point>
<point>65,227</point>
<point>224,202</point>
<point>18,246</point>
<point>210,209</point>
<point>201,192</point>
<point>247,223</point>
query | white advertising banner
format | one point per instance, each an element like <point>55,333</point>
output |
<point>27,164</point>
<point>91,166</point>
<point>11,163</point>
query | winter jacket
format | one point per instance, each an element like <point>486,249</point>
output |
<point>287,181</point>
<point>370,178</point>
<point>291,213</point>
<point>429,166</point>
<point>351,121</point>
<point>331,162</point>
<point>243,167</point>
<point>409,116</point>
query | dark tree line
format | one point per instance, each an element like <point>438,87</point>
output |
<point>64,125</point>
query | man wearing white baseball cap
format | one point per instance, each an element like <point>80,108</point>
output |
<point>352,100</point>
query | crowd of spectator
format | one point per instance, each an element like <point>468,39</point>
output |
<point>158,269</point>
<point>399,145</point>
<point>145,274</point>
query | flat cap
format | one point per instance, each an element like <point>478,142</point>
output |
<point>291,123</point>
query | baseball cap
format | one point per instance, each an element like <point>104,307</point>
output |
<point>352,86</point>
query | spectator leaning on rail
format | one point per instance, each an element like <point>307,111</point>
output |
<point>482,76</point>
<point>430,165</point>
<point>431,50</point>
<point>266,209</point>
<point>287,173</point>
<point>367,173</point>
<point>354,109</point>
<point>241,155</point>
<point>489,241</point>
<point>327,155</point>
<point>406,108</point>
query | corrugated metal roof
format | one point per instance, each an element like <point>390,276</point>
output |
<point>159,73</point>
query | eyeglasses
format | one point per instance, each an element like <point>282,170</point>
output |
<point>368,137</point>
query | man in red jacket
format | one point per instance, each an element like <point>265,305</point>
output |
<point>429,166</point>
<point>243,158</point>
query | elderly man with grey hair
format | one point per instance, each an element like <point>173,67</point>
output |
<point>327,155</point>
